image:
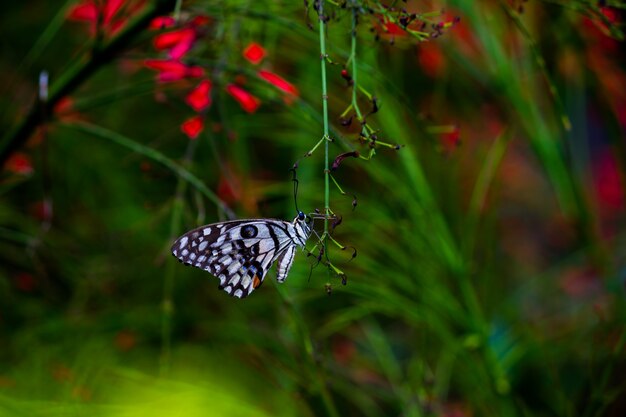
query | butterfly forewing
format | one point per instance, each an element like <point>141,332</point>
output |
<point>239,253</point>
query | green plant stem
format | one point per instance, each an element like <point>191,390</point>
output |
<point>484,180</point>
<point>177,8</point>
<point>355,84</point>
<point>325,116</point>
<point>326,397</point>
<point>78,73</point>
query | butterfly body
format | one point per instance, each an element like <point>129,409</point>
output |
<point>240,252</point>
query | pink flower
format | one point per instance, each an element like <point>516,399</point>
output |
<point>87,12</point>
<point>100,13</point>
<point>247,101</point>
<point>19,163</point>
<point>279,82</point>
<point>254,53</point>
<point>179,42</point>
<point>162,22</point>
<point>200,97</point>
<point>192,127</point>
<point>200,20</point>
<point>170,70</point>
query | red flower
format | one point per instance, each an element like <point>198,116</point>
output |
<point>87,12</point>
<point>162,22</point>
<point>430,58</point>
<point>170,70</point>
<point>179,42</point>
<point>19,163</point>
<point>64,110</point>
<point>387,28</point>
<point>200,20</point>
<point>200,97</point>
<point>450,138</point>
<point>247,101</point>
<point>192,127</point>
<point>279,82</point>
<point>391,28</point>
<point>254,53</point>
<point>96,13</point>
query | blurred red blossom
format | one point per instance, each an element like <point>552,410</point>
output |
<point>170,70</point>
<point>449,136</point>
<point>200,97</point>
<point>104,15</point>
<point>178,42</point>
<point>64,110</point>
<point>162,22</point>
<point>599,32</point>
<point>389,28</point>
<point>254,53</point>
<point>247,101</point>
<point>280,83</point>
<point>192,127</point>
<point>430,58</point>
<point>19,163</point>
<point>86,11</point>
<point>200,20</point>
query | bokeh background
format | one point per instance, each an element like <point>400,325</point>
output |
<point>491,246</point>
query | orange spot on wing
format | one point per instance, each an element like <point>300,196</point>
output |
<point>256,282</point>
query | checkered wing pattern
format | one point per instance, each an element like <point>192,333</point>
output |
<point>239,253</point>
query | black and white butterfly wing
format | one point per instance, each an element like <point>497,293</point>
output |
<point>239,253</point>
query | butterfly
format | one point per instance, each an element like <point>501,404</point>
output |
<point>240,252</point>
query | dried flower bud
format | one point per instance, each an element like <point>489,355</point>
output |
<point>346,122</point>
<point>339,159</point>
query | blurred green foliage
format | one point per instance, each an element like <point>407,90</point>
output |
<point>491,247</point>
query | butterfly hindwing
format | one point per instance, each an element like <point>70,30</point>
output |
<point>284,263</point>
<point>239,253</point>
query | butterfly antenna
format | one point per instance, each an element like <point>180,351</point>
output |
<point>295,187</point>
